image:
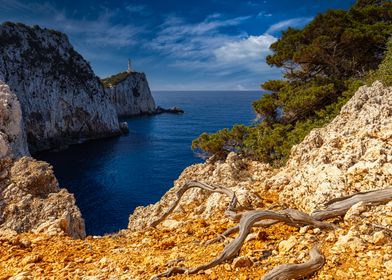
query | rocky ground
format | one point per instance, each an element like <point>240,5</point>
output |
<point>350,155</point>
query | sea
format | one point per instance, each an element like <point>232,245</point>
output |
<point>111,177</point>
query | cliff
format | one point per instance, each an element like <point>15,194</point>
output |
<point>13,141</point>
<point>62,100</point>
<point>130,93</point>
<point>31,199</point>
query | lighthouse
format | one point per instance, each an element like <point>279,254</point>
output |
<point>129,66</point>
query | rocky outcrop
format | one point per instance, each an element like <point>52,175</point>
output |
<point>31,200</point>
<point>62,100</point>
<point>351,154</point>
<point>130,94</point>
<point>12,135</point>
<point>241,175</point>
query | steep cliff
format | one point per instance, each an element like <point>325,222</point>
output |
<point>30,198</point>
<point>12,134</point>
<point>130,93</point>
<point>62,101</point>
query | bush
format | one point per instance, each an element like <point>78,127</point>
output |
<point>325,63</point>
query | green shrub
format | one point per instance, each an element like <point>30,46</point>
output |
<point>325,63</point>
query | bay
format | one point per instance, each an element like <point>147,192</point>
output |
<point>111,177</point>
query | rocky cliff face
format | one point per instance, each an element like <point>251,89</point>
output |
<point>351,154</point>
<point>12,134</point>
<point>31,200</point>
<point>131,94</point>
<point>62,100</point>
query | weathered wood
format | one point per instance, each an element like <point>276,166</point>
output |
<point>297,271</point>
<point>264,218</point>
<point>230,210</point>
<point>247,221</point>
<point>339,206</point>
<point>295,218</point>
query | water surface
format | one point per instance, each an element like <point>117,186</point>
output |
<point>111,177</point>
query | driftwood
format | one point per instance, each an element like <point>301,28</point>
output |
<point>339,206</point>
<point>230,210</point>
<point>293,218</point>
<point>297,271</point>
<point>289,216</point>
<point>265,218</point>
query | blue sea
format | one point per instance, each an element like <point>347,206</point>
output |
<point>111,177</point>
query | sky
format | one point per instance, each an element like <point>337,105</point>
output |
<point>179,44</point>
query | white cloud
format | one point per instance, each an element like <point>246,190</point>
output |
<point>294,22</point>
<point>252,47</point>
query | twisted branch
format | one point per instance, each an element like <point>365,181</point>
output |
<point>297,271</point>
<point>230,210</point>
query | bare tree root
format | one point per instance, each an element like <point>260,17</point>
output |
<point>295,218</point>
<point>230,210</point>
<point>266,218</point>
<point>289,216</point>
<point>297,271</point>
<point>339,206</point>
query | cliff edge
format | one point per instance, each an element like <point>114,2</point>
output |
<point>130,94</point>
<point>62,100</point>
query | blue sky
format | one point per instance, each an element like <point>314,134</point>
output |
<point>179,44</point>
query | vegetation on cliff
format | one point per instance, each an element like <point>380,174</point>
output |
<point>115,79</point>
<point>323,63</point>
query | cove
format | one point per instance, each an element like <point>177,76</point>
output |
<point>111,177</point>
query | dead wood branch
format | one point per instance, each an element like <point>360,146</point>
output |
<point>297,271</point>
<point>230,210</point>
<point>247,221</point>
<point>339,206</point>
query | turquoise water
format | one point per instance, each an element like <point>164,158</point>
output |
<point>111,177</point>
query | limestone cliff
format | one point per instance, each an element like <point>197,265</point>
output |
<point>62,100</point>
<point>30,198</point>
<point>130,93</point>
<point>12,134</point>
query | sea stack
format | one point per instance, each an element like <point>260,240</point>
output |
<point>62,100</point>
<point>130,93</point>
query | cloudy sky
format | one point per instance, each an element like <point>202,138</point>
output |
<point>179,44</point>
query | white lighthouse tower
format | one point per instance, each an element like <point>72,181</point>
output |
<point>130,70</point>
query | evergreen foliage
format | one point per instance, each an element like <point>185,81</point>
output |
<point>324,64</point>
<point>115,79</point>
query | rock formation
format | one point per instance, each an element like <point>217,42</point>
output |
<point>130,93</point>
<point>351,154</point>
<point>32,200</point>
<point>12,134</point>
<point>62,100</point>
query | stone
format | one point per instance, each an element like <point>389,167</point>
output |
<point>355,211</point>
<point>124,127</point>
<point>13,141</point>
<point>242,262</point>
<point>287,245</point>
<point>379,238</point>
<point>171,224</point>
<point>388,266</point>
<point>34,201</point>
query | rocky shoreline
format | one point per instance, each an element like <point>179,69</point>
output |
<point>42,231</point>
